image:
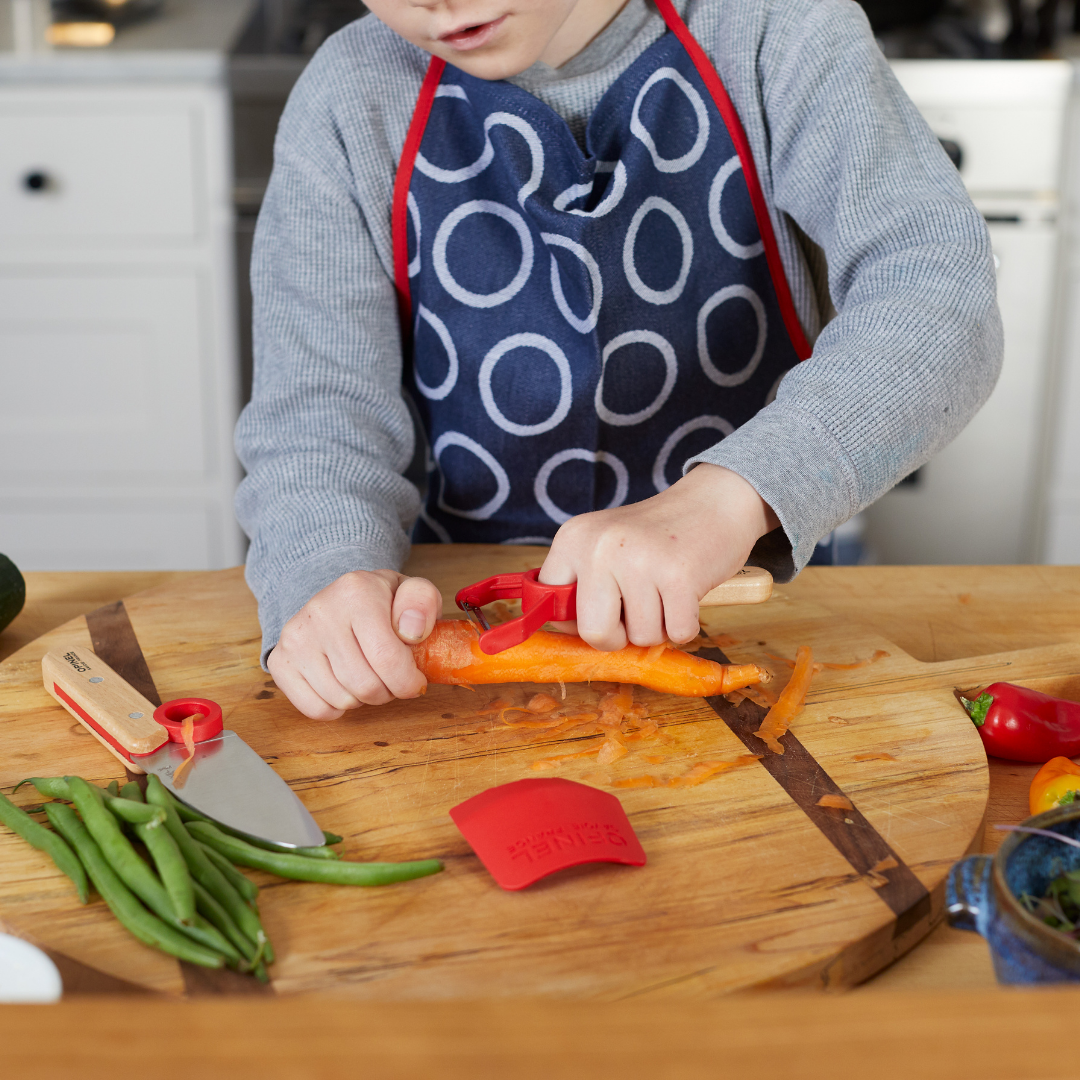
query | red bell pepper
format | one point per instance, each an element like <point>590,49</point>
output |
<point>1019,724</point>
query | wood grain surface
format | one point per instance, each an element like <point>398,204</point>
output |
<point>739,875</point>
<point>992,1035</point>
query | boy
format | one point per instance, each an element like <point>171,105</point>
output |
<point>611,230</point>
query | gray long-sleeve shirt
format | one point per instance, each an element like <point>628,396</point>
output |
<point>871,219</point>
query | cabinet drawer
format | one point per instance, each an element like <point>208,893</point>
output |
<point>114,176</point>
<point>104,378</point>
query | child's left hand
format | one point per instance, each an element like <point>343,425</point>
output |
<point>641,569</point>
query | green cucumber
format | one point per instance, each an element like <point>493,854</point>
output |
<point>12,591</point>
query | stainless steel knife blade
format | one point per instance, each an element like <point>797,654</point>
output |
<point>230,783</point>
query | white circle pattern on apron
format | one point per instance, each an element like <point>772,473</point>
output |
<point>543,478</point>
<point>525,341</point>
<point>658,142</point>
<point>671,371</point>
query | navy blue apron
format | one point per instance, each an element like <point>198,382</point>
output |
<point>579,324</point>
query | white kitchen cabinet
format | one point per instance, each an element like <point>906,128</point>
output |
<point>118,367</point>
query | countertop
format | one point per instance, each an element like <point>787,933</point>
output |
<point>934,1012</point>
<point>189,40</point>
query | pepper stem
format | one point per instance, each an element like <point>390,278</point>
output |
<point>977,708</point>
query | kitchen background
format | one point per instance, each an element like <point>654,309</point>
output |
<point>135,145</point>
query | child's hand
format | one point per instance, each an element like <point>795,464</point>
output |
<point>349,645</point>
<point>641,569</point>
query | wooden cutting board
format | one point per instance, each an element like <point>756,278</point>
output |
<point>749,883</point>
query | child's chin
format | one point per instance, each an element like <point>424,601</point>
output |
<point>492,64</point>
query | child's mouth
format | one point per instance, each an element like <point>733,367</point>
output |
<point>472,37</point>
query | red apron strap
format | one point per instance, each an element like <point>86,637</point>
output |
<point>402,181</point>
<point>711,79</point>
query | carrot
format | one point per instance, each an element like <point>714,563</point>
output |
<point>835,802</point>
<point>788,706</point>
<point>452,655</point>
<point>187,732</point>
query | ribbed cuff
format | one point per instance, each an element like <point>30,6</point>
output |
<point>306,578</point>
<point>800,469</point>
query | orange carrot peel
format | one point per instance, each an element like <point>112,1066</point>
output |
<point>187,732</point>
<point>778,719</point>
<point>452,655</point>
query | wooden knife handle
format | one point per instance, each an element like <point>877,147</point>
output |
<point>112,710</point>
<point>751,585</point>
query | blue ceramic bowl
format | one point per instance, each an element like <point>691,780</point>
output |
<point>981,895</point>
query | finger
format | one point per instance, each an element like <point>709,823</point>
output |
<point>391,666</point>
<point>643,615</point>
<point>599,613</point>
<point>558,567</point>
<point>417,604</point>
<point>349,672</point>
<point>296,688</point>
<point>682,617</point>
<point>331,676</point>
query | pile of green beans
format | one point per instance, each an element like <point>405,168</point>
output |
<point>186,897</point>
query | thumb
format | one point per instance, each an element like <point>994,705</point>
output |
<point>417,604</point>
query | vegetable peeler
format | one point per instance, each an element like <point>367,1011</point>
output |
<point>542,603</point>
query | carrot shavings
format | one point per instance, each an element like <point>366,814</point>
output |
<point>706,770</point>
<point>723,641</point>
<point>552,762</point>
<point>879,655</point>
<point>498,705</point>
<point>874,757</point>
<point>187,732</point>
<point>778,719</point>
<point>656,759</point>
<point>836,802</point>
<point>542,703</point>
<point>638,782</point>
<point>613,749</point>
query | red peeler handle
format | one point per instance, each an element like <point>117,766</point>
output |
<point>540,603</point>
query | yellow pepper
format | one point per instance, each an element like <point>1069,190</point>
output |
<point>1056,784</point>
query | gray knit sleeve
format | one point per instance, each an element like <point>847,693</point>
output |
<point>327,435</point>
<point>916,346</point>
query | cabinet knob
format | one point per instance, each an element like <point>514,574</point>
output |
<point>36,180</point>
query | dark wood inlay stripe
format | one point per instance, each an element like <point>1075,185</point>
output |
<point>805,781</point>
<point>114,641</point>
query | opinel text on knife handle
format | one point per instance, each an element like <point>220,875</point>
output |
<point>113,711</point>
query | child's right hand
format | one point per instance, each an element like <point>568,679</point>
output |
<point>350,645</point>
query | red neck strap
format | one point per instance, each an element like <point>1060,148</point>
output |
<point>712,81</point>
<point>400,209</point>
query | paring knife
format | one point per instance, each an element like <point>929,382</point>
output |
<point>226,780</point>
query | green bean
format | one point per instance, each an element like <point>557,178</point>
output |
<point>113,788</point>
<point>52,787</point>
<point>307,852</point>
<point>203,870</point>
<point>36,835</point>
<point>130,810</point>
<point>304,869</point>
<point>149,929</point>
<point>185,812</point>
<point>215,914</point>
<point>134,813</point>
<point>135,874</point>
<point>332,837</point>
<point>170,863</point>
<point>240,882</point>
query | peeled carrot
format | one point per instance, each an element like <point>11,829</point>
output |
<point>789,705</point>
<point>452,655</point>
